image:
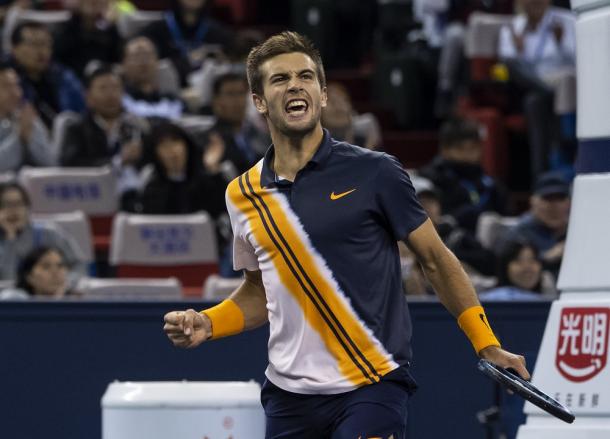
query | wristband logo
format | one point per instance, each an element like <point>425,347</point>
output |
<point>582,345</point>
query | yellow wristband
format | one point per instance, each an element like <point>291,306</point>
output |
<point>474,323</point>
<point>227,319</point>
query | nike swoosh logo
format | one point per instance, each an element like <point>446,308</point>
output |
<point>482,317</point>
<point>334,196</point>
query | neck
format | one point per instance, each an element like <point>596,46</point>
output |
<point>293,153</point>
<point>5,113</point>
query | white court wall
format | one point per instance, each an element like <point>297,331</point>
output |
<point>593,71</point>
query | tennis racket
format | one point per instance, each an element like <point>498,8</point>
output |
<point>526,390</point>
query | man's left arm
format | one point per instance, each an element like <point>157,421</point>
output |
<point>457,294</point>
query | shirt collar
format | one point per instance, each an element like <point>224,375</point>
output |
<point>268,176</point>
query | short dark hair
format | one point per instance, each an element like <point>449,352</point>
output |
<point>456,131</point>
<point>13,185</point>
<point>28,263</point>
<point>101,70</point>
<point>224,78</point>
<point>17,35</point>
<point>279,44</point>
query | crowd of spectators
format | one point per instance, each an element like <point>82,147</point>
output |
<point>83,93</point>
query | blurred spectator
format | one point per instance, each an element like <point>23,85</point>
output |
<point>241,143</point>
<point>119,8</point>
<point>140,72</point>
<point>107,134</point>
<point>187,35</point>
<point>443,27</point>
<point>546,224</point>
<point>24,140</point>
<point>41,273</point>
<point>50,87</point>
<point>520,274</point>
<point>539,48</point>
<point>460,241</point>
<point>177,183</point>
<point>19,235</point>
<point>201,81</point>
<point>88,36</point>
<point>343,123</point>
<point>465,189</point>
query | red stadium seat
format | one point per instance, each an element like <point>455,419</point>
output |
<point>90,190</point>
<point>159,246</point>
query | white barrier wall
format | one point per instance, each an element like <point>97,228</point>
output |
<point>573,361</point>
<point>182,410</point>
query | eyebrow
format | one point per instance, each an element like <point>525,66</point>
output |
<point>279,74</point>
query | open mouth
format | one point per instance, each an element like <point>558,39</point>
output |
<point>296,107</point>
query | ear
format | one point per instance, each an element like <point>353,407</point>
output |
<point>260,104</point>
<point>324,97</point>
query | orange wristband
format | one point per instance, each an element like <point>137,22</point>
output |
<point>474,323</point>
<point>227,319</point>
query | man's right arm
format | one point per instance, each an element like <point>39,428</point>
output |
<point>190,328</point>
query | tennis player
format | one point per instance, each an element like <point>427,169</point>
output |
<point>316,224</point>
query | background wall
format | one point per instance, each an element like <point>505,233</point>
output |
<point>57,358</point>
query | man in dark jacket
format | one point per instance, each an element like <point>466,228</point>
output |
<point>106,135</point>
<point>465,189</point>
<point>50,87</point>
<point>186,33</point>
<point>87,36</point>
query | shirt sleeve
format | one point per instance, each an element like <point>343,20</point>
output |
<point>244,256</point>
<point>396,198</point>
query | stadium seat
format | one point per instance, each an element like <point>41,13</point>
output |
<point>91,190</point>
<point>195,125</point>
<point>61,122</point>
<point>157,246</point>
<point>129,289</point>
<point>75,224</point>
<point>130,25</point>
<point>491,228</point>
<point>15,15</point>
<point>481,45</point>
<point>219,288</point>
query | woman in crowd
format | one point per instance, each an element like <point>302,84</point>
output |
<point>520,274</point>
<point>19,235</point>
<point>42,273</point>
<point>176,182</point>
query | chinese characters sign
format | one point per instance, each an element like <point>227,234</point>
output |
<point>582,347</point>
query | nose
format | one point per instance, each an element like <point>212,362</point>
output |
<point>294,85</point>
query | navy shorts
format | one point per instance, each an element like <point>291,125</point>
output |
<point>373,411</point>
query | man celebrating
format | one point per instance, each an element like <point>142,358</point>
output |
<point>316,224</point>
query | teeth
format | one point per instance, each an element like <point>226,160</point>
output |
<point>296,103</point>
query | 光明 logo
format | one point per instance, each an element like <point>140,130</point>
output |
<point>582,346</point>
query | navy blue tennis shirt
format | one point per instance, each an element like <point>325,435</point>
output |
<point>326,245</point>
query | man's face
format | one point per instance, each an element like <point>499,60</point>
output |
<point>10,91</point>
<point>141,61</point>
<point>230,102</point>
<point>535,9</point>
<point>34,51</point>
<point>551,210</point>
<point>104,96</point>
<point>13,209</point>
<point>467,151</point>
<point>292,96</point>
